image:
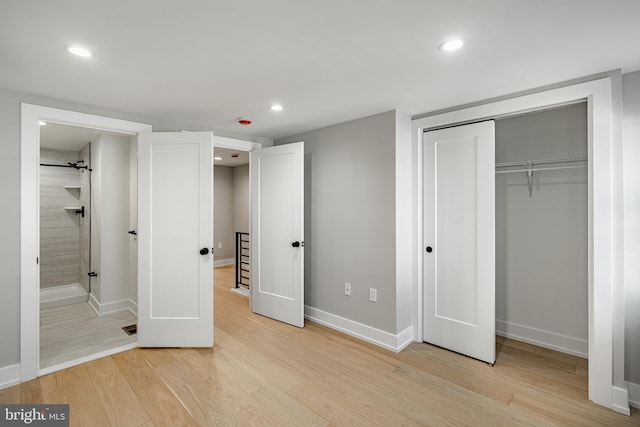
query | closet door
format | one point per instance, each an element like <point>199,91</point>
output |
<point>459,239</point>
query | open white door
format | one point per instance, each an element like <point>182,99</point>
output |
<point>459,239</point>
<point>175,239</point>
<point>277,233</point>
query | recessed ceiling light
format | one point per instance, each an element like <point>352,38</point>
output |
<point>276,107</point>
<point>451,45</point>
<point>217,158</point>
<point>41,123</point>
<point>79,51</point>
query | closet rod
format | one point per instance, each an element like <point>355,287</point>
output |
<point>543,169</point>
<point>541,162</point>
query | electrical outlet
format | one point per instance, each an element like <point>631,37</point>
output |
<point>219,245</point>
<point>373,295</point>
<point>347,289</point>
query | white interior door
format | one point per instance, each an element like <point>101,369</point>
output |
<point>459,239</point>
<point>175,238</point>
<point>277,233</point>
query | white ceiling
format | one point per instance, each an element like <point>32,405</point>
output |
<point>228,159</point>
<point>210,62</point>
<point>71,138</point>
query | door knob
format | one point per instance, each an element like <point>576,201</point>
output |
<point>204,251</point>
<point>296,244</point>
<point>429,249</point>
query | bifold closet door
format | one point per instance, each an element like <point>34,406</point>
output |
<point>459,239</point>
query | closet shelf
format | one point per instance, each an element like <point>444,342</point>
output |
<point>527,163</point>
<point>528,167</point>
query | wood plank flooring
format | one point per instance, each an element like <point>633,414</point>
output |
<point>74,331</point>
<point>262,372</point>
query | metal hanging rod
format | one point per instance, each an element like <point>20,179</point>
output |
<point>541,162</point>
<point>528,169</point>
<point>543,169</point>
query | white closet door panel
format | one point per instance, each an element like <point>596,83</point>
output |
<point>459,227</point>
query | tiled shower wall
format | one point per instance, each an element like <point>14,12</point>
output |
<point>59,228</point>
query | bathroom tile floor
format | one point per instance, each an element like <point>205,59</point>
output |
<point>74,331</point>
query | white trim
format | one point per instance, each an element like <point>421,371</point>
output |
<point>110,308</point>
<point>634,394</point>
<point>224,262</point>
<point>603,209</point>
<point>85,359</point>
<point>620,400</point>
<point>235,144</point>
<point>9,376</point>
<point>541,338</point>
<point>61,295</point>
<point>30,211</point>
<point>366,333</point>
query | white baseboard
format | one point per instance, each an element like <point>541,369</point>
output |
<point>634,394</point>
<point>224,262</point>
<point>563,343</point>
<point>9,376</point>
<point>620,400</point>
<point>366,333</point>
<point>107,309</point>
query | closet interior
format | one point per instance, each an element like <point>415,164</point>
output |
<point>541,195</point>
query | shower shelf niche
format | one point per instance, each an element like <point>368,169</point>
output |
<point>76,209</point>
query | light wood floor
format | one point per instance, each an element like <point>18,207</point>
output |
<point>74,331</point>
<point>262,372</point>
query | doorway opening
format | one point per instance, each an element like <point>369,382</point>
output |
<point>541,221</point>
<point>87,262</point>
<point>232,218</point>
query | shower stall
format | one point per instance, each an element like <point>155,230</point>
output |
<point>65,226</point>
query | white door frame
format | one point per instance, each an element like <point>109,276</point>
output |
<point>603,242</point>
<point>30,216</point>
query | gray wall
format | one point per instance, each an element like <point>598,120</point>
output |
<point>10,194</point>
<point>541,241</point>
<point>231,207</point>
<point>223,213</point>
<point>631,164</point>
<point>59,228</point>
<point>241,214</point>
<point>350,219</point>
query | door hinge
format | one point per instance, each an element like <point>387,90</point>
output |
<point>37,260</point>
